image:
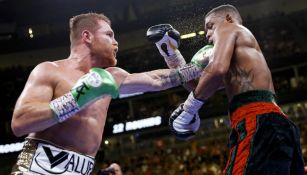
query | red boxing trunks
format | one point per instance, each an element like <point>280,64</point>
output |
<point>263,140</point>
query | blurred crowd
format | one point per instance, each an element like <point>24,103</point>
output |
<point>205,154</point>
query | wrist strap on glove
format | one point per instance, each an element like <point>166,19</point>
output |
<point>189,72</point>
<point>192,105</point>
<point>64,107</point>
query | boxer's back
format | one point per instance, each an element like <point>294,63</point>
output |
<point>248,68</point>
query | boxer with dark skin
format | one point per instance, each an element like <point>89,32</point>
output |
<point>263,140</point>
<point>238,64</point>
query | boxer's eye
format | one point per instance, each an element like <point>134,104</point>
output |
<point>110,34</point>
<point>209,26</point>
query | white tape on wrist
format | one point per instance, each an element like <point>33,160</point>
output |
<point>189,72</point>
<point>64,107</point>
<point>192,105</point>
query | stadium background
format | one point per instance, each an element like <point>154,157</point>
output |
<point>35,31</point>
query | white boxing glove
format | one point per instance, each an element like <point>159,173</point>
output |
<point>167,40</point>
<point>184,122</point>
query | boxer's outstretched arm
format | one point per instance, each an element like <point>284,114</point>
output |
<point>156,80</point>
<point>32,112</point>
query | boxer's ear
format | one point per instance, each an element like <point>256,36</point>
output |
<point>229,18</point>
<point>86,36</point>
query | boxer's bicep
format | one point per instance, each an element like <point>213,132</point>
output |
<point>37,89</point>
<point>224,48</point>
<point>32,111</point>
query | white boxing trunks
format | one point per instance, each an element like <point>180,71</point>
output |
<point>41,157</point>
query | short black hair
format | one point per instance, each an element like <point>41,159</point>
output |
<point>227,8</point>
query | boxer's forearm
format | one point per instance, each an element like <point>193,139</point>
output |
<point>191,85</point>
<point>164,79</point>
<point>32,117</point>
<point>156,80</point>
<point>208,84</point>
<point>175,61</point>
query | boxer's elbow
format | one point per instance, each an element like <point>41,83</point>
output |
<point>16,129</point>
<point>218,70</point>
<point>221,72</point>
<point>17,126</point>
<point>158,86</point>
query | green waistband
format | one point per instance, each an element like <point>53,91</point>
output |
<point>250,97</point>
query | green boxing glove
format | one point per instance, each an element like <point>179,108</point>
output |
<point>201,58</point>
<point>89,88</point>
<point>198,62</point>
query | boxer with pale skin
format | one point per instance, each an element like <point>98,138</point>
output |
<point>63,106</point>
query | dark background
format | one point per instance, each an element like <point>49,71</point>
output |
<point>279,26</point>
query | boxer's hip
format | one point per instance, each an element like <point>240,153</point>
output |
<point>257,124</point>
<point>256,101</point>
<point>42,157</point>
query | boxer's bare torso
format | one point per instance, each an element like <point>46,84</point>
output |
<point>82,132</point>
<point>237,64</point>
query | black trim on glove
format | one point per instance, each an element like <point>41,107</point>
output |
<point>180,135</point>
<point>155,33</point>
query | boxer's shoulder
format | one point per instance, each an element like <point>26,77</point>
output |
<point>43,71</point>
<point>49,67</point>
<point>53,72</point>
<point>41,67</point>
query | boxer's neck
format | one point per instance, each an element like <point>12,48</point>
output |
<point>81,58</point>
